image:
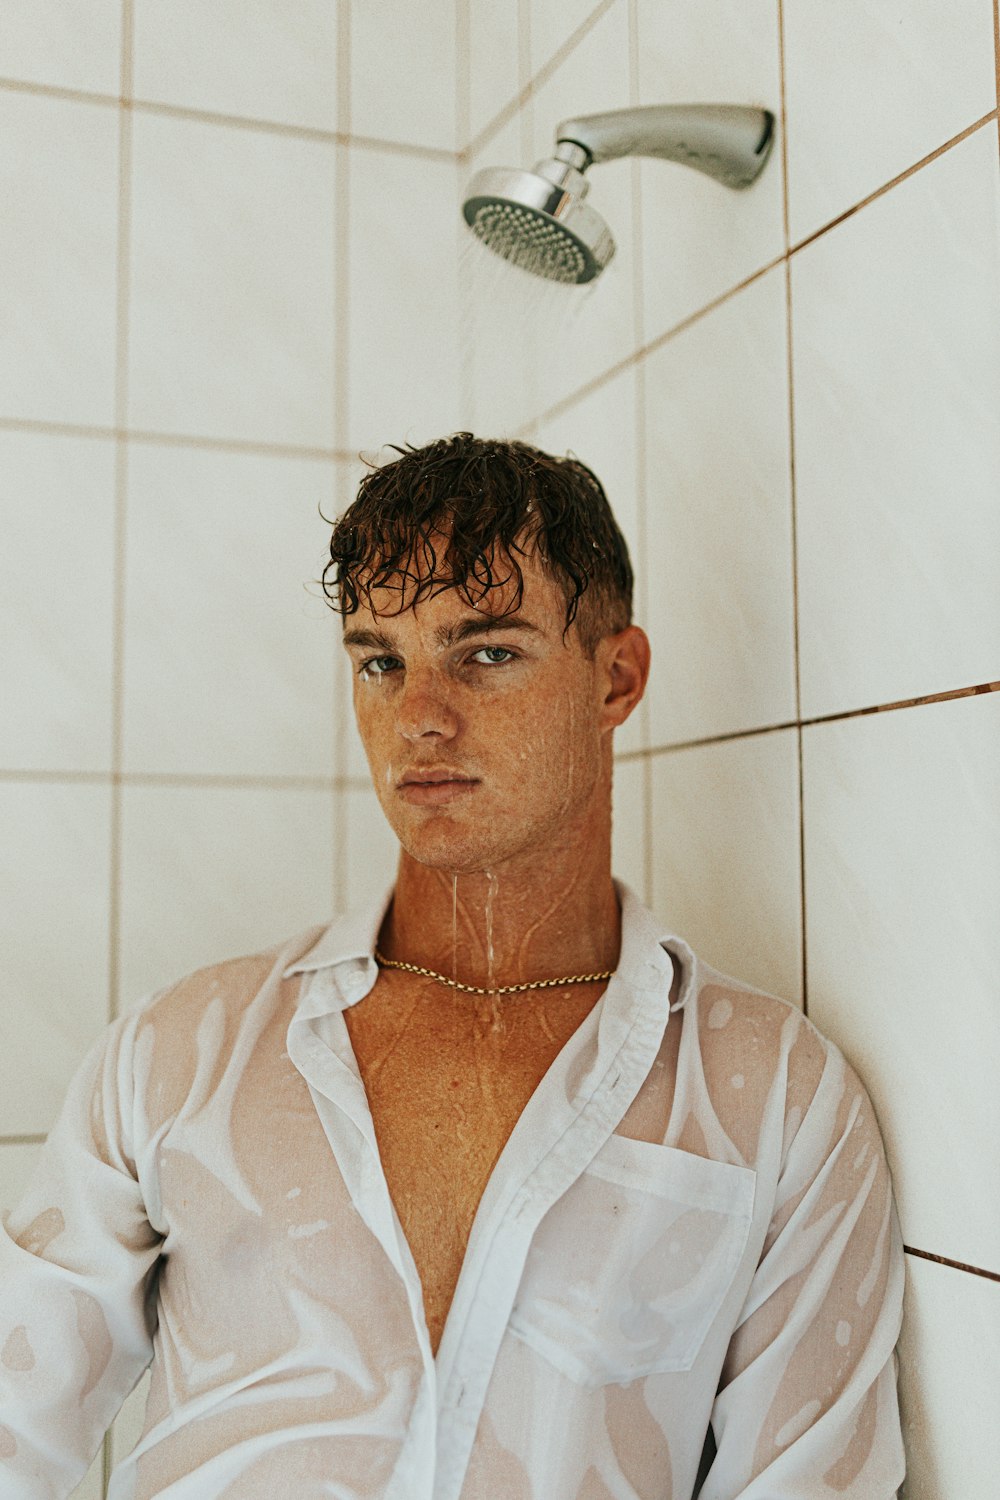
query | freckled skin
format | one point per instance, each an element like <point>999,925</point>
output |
<point>529,718</point>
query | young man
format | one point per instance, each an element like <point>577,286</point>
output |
<point>491,1190</point>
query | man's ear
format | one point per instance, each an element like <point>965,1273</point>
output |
<point>623,661</point>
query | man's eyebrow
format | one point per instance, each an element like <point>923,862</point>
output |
<point>448,635</point>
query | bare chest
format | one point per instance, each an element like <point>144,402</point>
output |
<point>446,1089</point>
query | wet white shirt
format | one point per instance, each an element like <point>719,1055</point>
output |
<point>211,1201</point>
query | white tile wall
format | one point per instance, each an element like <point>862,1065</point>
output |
<point>902,855</point>
<point>949,1382</point>
<point>76,45</point>
<point>553,22</point>
<point>724,829</point>
<point>403,72</point>
<point>871,89</point>
<point>229,642</point>
<point>268,61</point>
<point>212,872</point>
<point>232,274</point>
<point>718,521</point>
<point>371,850</point>
<point>493,60</point>
<point>600,430</point>
<point>57,496</point>
<point>896,323</point>
<point>700,238</point>
<point>58,246</point>
<point>630,824</point>
<point>54,915</point>
<point>403,299</point>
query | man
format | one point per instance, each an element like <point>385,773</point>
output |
<point>490,1190</point>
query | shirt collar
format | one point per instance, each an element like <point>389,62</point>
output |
<point>644,962</point>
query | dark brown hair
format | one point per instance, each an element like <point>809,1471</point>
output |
<point>459,512</point>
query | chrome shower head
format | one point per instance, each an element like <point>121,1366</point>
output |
<point>538,219</point>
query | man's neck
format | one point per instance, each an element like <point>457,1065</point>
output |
<point>552,917</point>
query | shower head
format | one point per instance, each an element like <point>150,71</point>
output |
<point>538,219</point>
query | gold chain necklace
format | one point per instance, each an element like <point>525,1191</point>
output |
<point>475,989</point>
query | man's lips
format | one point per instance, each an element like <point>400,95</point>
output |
<point>432,787</point>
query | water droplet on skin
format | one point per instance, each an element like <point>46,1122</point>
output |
<point>454,927</point>
<point>491,890</point>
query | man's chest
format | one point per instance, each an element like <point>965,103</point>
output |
<point>444,1100</point>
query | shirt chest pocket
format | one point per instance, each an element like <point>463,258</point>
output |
<point>627,1271</point>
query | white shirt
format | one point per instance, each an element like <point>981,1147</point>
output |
<point>211,1201</point>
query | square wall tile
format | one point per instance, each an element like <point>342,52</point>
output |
<point>370,856</point>
<point>902,857</point>
<point>403,299</point>
<point>229,640</point>
<point>724,828</point>
<point>231,321</point>
<point>215,872</point>
<point>17,1163</point>
<point>949,1383</point>
<point>55,882</point>
<point>58,258</point>
<point>718,560</point>
<point>75,45</point>
<point>871,89</point>
<point>493,61</point>
<point>126,1429</point>
<point>57,495</point>
<point>699,237</point>
<point>584,330</point>
<point>630,824</point>
<point>896,327</point>
<point>553,23</point>
<point>265,61</point>
<point>601,431</point>
<point>403,60</point>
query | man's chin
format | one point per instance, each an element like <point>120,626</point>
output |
<point>443,844</point>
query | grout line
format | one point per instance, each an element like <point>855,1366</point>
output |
<point>996,49</point>
<point>956,1265</point>
<point>31,1139</point>
<point>793,506</point>
<point>463,73</point>
<point>886,187</point>
<point>534,84</point>
<point>175,439</point>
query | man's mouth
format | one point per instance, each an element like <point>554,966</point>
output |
<point>434,785</point>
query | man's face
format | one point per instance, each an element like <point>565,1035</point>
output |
<point>486,737</point>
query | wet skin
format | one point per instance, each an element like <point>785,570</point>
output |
<point>489,742</point>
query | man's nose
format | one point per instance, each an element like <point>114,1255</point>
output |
<point>423,710</point>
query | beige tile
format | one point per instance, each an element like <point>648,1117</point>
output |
<point>601,431</point>
<point>896,323</point>
<point>848,133</point>
<point>949,1383</point>
<point>232,271</point>
<point>75,45</point>
<point>584,330</point>
<point>229,643</point>
<point>403,299</point>
<point>214,872</point>
<point>54,913</point>
<point>371,850</point>
<point>57,495</point>
<point>265,61</point>
<point>553,23</point>
<point>902,855</point>
<point>403,72</point>
<point>58,258</point>
<point>718,559</point>
<point>699,237</point>
<point>505,312</point>
<point>126,1429</point>
<point>493,60</point>
<point>91,1487</point>
<point>630,824</point>
<point>724,829</point>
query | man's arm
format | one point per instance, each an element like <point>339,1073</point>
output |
<point>77,1283</point>
<point>807,1405</point>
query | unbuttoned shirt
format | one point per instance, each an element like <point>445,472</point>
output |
<point>644,1261</point>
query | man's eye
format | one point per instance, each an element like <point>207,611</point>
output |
<point>377,666</point>
<point>496,655</point>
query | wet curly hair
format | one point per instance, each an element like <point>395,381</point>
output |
<point>461,511</point>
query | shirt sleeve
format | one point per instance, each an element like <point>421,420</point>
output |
<point>807,1404</point>
<point>78,1263</point>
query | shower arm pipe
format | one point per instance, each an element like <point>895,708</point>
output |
<point>730,142</point>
